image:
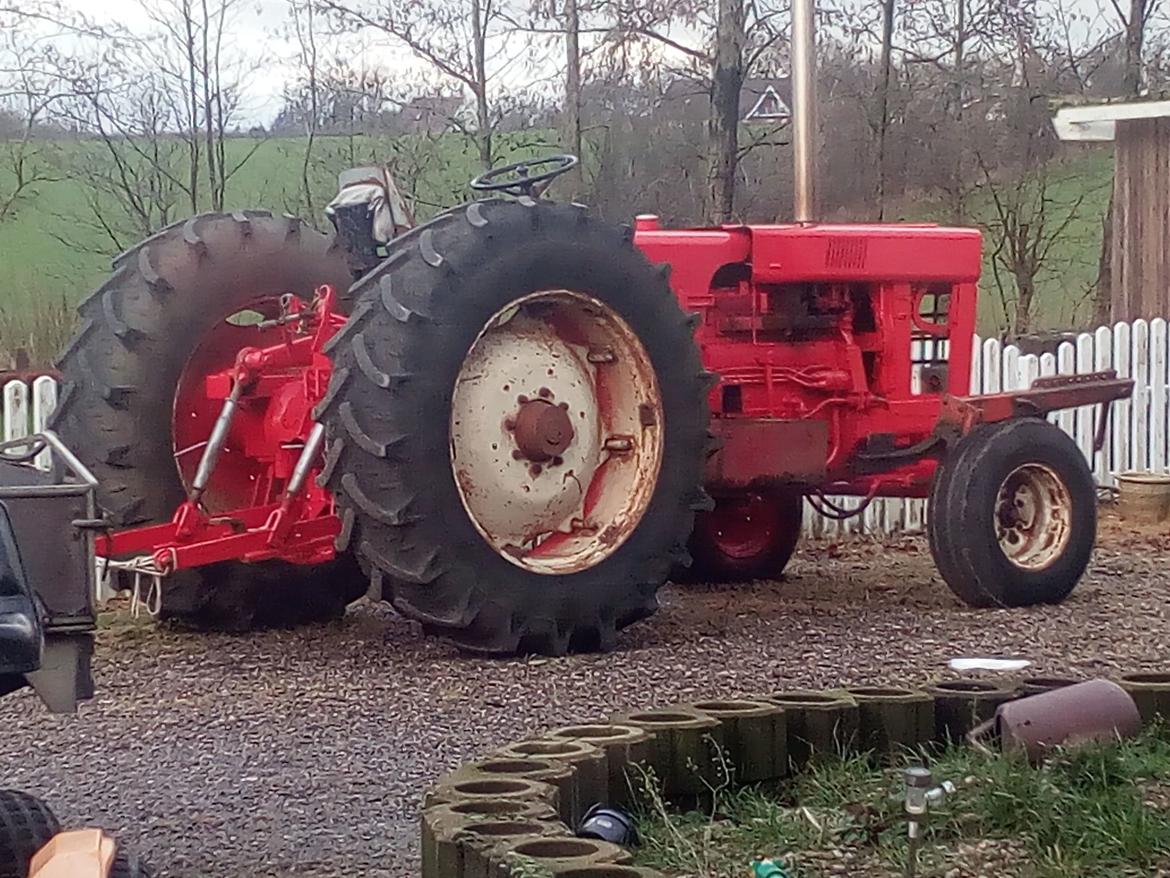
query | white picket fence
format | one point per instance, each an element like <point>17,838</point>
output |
<point>1137,438</point>
<point>26,410</point>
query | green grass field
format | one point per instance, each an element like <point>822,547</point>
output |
<point>53,252</point>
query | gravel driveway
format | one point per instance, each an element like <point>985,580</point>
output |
<point>304,753</point>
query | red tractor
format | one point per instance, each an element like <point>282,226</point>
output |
<point>512,424</point>
<point>507,425</point>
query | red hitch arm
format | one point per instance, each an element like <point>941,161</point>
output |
<point>296,524</point>
<point>960,414</point>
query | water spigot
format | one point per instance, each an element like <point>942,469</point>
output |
<point>921,794</point>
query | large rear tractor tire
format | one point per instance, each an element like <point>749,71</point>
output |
<point>26,825</point>
<point>1013,515</point>
<point>171,310</point>
<point>749,535</point>
<point>517,428</point>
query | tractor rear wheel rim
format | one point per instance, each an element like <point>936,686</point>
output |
<point>743,526</point>
<point>1033,517</point>
<point>556,432</point>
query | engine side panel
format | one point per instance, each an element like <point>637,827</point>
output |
<point>857,329</point>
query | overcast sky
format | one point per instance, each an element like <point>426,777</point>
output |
<point>260,26</point>
<point>260,29</point>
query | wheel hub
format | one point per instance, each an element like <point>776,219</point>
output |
<point>556,436</point>
<point>542,430</point>
<point>1033,517</point>
<point>742,525</point>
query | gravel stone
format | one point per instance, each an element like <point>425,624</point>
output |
<point>305,753</point>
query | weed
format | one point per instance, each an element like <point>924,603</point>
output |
<point>1082,813</point>
<point>37,333</point>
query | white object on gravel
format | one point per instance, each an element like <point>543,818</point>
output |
<point>987,664</point>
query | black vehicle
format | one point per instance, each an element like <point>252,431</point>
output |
<point>47,573</point>
<point>48,521</point>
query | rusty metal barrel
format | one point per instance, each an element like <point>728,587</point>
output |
<point>1096,710</point>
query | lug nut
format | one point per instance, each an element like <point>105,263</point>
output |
<point>517,454</point>
<point>545,393</point>
<point>522,399</point>
<point>564,406</point>
<point>534,470</point>
<point>557,461</point>
<point>509,424</point>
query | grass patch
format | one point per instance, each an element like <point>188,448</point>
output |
<point>1087,812</point>
<point>1077,198</point>
<point>54,250</point>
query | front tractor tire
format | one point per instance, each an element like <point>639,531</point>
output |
<point>1013,515</point>
<point>162,320</point>
<point>517,428</point>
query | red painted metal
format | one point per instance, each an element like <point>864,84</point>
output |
<point>246,513</point>
<point>754,449</point>
<point>743,525</point>
<point>860,330</point>
<point>843,354</point>
<point>1046,395</point>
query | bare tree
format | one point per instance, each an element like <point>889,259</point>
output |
<point>727,75</point>
<point>303,22</point>
<point>33,80</point>
<point>571,117</point>
<point>742,34</point>
<point>1032,215</point>
<point>453,38</point>
<point>1036,198</point>
<point>340,104</point>
<point>886,63</point>
<point>190,46</point>
<point>959,48</point>
<point>28,90</point>
<point>1134,23</point>
<point>132,167</point>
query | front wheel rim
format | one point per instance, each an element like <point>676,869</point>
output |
<point>1033,517</point>
<point>556,432</point>
<point>744,526</point>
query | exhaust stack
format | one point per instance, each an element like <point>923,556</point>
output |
<point>804,118</point>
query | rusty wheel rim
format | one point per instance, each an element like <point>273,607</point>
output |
<point>1033,517</point>
<point>556,432</point>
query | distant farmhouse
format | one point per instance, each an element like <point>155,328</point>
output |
<point>428,114</point>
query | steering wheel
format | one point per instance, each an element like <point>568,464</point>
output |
<point>518,179</point>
